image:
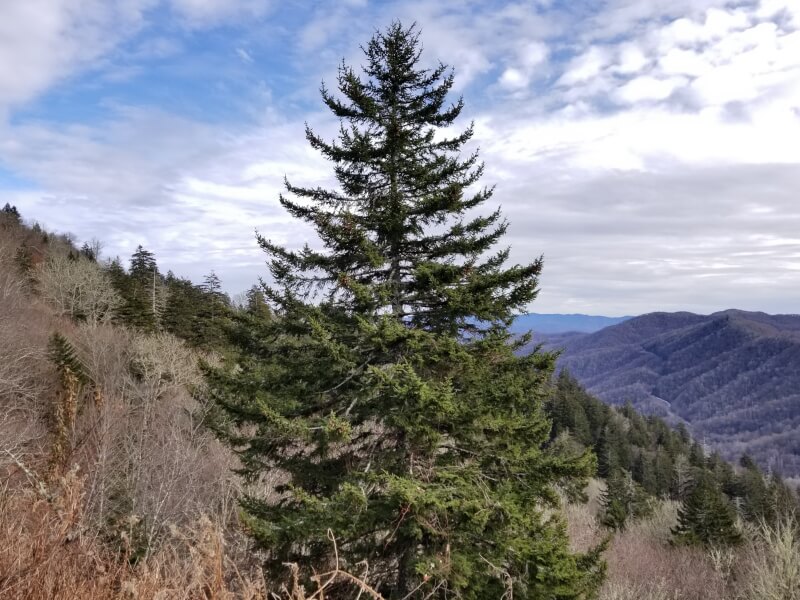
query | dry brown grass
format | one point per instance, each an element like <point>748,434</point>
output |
<point>47,551</point>
<point>773,561</point>
<point>648,568</point>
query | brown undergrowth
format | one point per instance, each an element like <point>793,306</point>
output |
<point>643,564</point>
<point>47,552</point>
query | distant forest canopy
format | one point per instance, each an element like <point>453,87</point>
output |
<point>656,459</point>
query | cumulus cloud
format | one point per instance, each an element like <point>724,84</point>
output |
<point>194,197</point>
<point>529,59</point>
<point>586,66</point>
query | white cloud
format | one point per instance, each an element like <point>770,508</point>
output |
<point>632,59</point>
<point>713,57</point>
<point>208,12</point>
<point>513,79</point>
<point>648,88</point>
<point>244,55</point>
<point>533,54</point>
<point>190,192</point>
<point>45,41</point>
<point>586,66</point>
<point>528,59</point>
<point>684,62</point>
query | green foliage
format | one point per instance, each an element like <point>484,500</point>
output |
<point>706,517</point>
<point>623,499</point>
<point>395,420</point>
<point>141,290</point>
<point>198,314</point>
<point>661,461</point>
<point>64,356</point>
<point>256,305</point>
<point>145,293</point>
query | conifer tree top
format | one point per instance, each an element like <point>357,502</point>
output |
<point>401,233</point>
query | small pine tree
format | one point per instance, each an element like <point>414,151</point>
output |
<point>212,313</point>
<point>706,517</point>
<point>185,301</point>
<point>608,450</point>
<point>257,304</point>
<point>622,499</point>
<point>782,501</point>
<point>567,411</point>
<point>24,259</point>
<point>72,377</point>
<point>644,471</point>
<point>91,250</point>
<point>215,299</point>
<point>751,488</point>
<point>663,472</point>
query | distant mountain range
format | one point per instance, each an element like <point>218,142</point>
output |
<point>556,323</point>
<point>733,376</point>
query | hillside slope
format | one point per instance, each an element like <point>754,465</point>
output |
<point>734,376</point>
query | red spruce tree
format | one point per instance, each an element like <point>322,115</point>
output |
<point>384,393</point>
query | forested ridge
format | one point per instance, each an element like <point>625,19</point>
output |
<point>732,376</point>
<point>362,423</point>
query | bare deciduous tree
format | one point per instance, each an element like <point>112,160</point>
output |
<point>79,288</point>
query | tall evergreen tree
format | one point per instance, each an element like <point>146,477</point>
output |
<point>212,284</point>
<point>386,390</point>
<point>143,264</point>
<point>185,301</point>
<point>216,300</point>
<point>211,318</point>
<point>145,294</point>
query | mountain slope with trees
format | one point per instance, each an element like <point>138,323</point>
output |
<point>733,377</point>
<point>384,435</point>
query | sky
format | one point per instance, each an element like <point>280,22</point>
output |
<point>649,149</point>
